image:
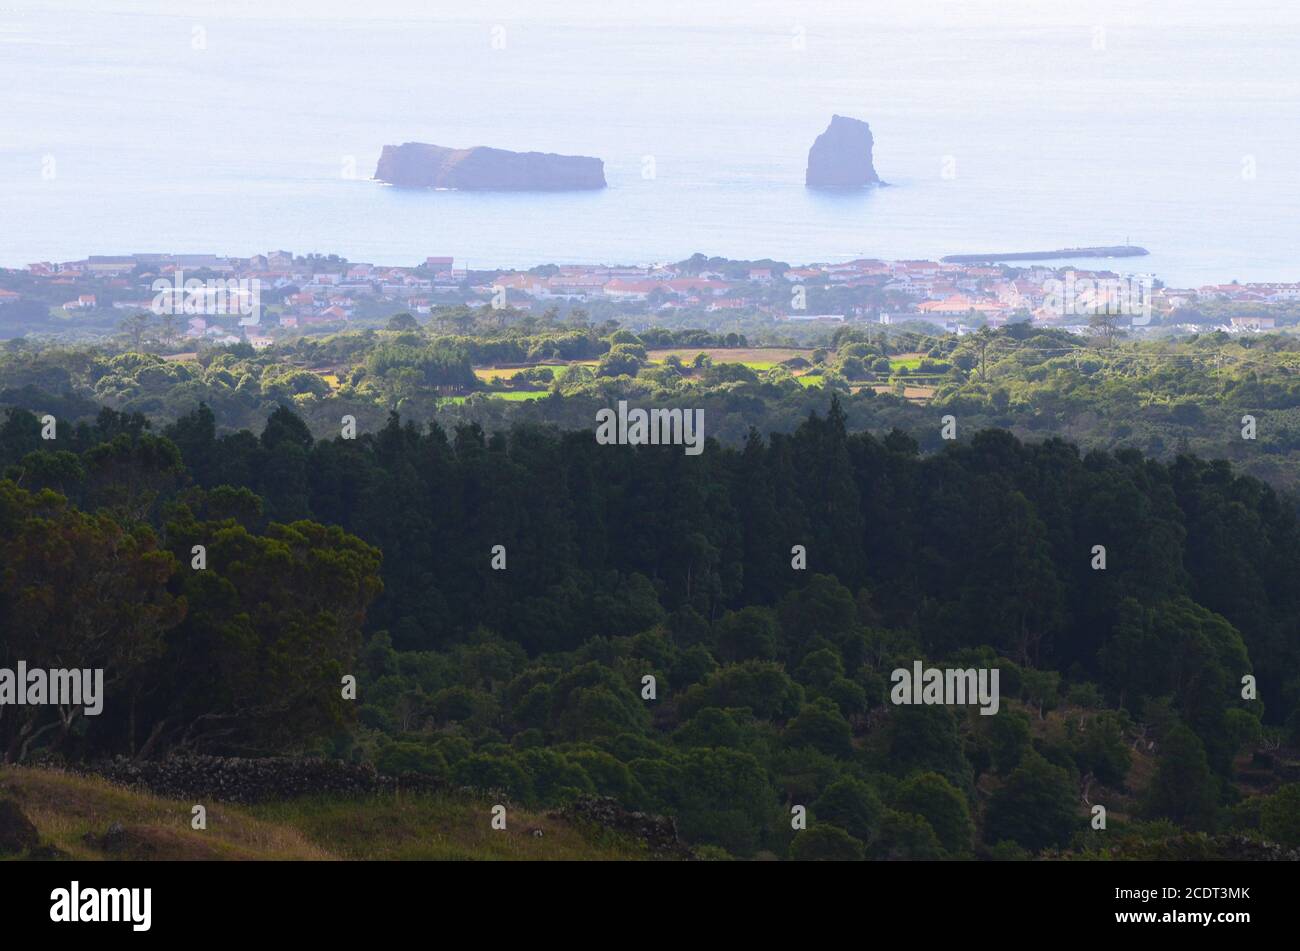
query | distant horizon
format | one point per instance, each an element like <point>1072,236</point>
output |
<point>997,125</point>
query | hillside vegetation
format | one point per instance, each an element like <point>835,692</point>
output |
<point>517,606</point>
<point>1159,396</point>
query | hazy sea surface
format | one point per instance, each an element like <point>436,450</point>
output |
<point>238,127</point>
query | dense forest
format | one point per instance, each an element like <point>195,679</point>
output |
<point>501,597</point>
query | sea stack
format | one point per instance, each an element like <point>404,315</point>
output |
<point>417,165</point>
<point>841,156</point>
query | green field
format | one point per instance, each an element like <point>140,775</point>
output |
<point>519,396</point>
<point>512,396</point>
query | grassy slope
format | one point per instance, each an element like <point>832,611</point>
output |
<point>444,826</point>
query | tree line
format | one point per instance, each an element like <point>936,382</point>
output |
<point>373,557</point>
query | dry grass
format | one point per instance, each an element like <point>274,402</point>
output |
<point>918,393</point>
<point>65,807</point>
<point>442,826</point>
<point>488,374</point>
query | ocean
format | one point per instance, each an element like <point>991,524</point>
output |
<point>240,127</point>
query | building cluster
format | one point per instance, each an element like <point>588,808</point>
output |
<point>317,291</point>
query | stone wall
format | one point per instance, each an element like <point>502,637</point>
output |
<point>247,781</point>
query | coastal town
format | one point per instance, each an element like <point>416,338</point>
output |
<point>279,293</point>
